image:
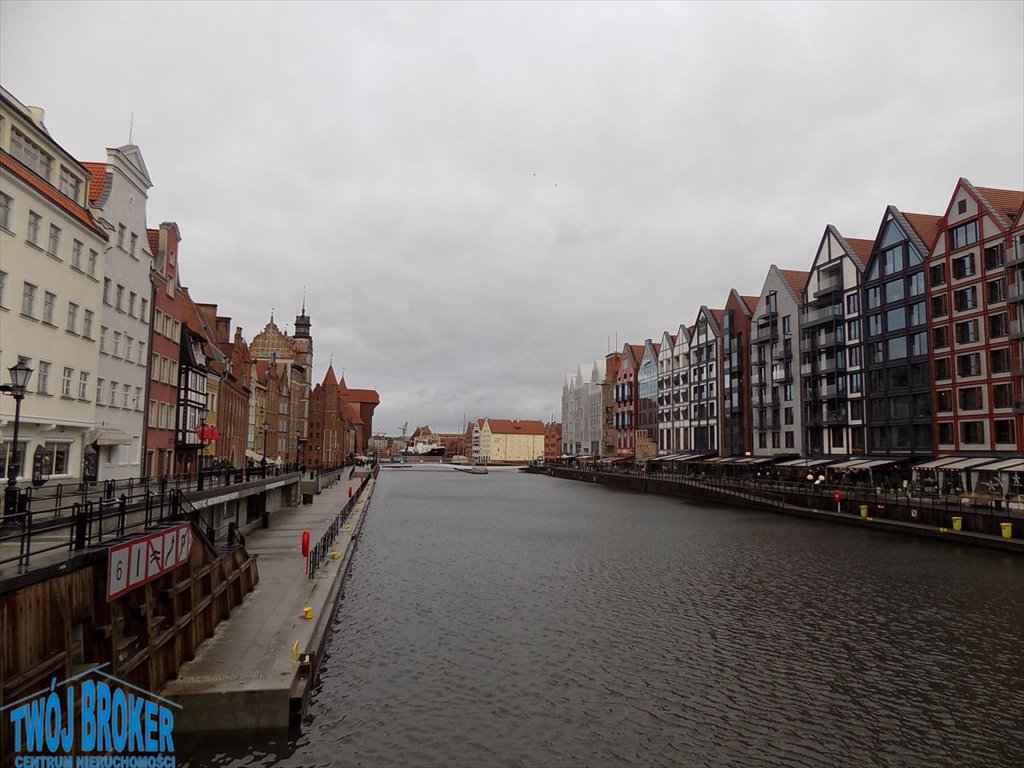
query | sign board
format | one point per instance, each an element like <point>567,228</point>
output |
<point>133,563</point>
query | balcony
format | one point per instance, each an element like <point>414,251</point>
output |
<point>835,418</point>
<point>781,376</point>
<point>1018,406</point>
<point>1014,256</point>
<point>831,364</point>
<point>771,309</point>
<point>782,353</point>
<point>766,333</point>
<point>807,369</point>
<point>1017,328</point>
<point>1015,292</point>
<point>822,315</point>
<point>826,287</point>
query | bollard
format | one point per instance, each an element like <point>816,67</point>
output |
<point>864,510</point>
<point>958,523</point>
<point>1007,530</point>
<point>350,491</point>
<point>307,612</point>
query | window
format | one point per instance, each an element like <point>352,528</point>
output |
<point>969,398</point>
<point>966,298</point>
<point>30,153</point>
<point>143,306</point>
<point>994,257</point>
<point>999,360</point>
<point>1002,395</point>
<point>76,254</point>
<point>787,416</point>
<point>966,332</point>
<point>942,369</point>
<point>895,319</point>
<point>917,314</point>
<point>134,244</point>
<point>856,412</point>
<point>34,222</point>
<point>49,303</point>
<point>897,348</point>
<point>112,398</point>
<point>963,235</point>
<point>997,326</point>
<point>3,286</point>
<point>83,385</point>
<point>138,398</point>
<point>117,344</point>
<point>892,260</point>
<point>972,433</point>
<point>995,290</point>
<point>1003,431</point>
<point>120,298</point>
<point>873,297</point>
<point>898,377</point>
<point>28,300</point>
<point>894,291</point>
<point>787,324</point>
<point>65,382</point>
<point>100,383</point>
<point>142,352</point>
<point>6,206</point>
<point>128,342</point>
<point>93,258</point>
<point>943,401</point>
<point>54,458</point>
<point>940,336</point>
<point>72,317</point>
<point>43,378</point>
<point>915,284</point>
<point>125,392</point>
<point>963,266</point>
<point>87,324</point>
<point>104,332</point>
<point>53,248</point>
<point>937,274</point>
<point>106,291</point>
<point>874,325</point>
<point>853,330</point>
<point>131,303</point>
<point>121,231</point>
<point>875,349</point>
<point>69,184</point>
<point>939,306</point>
<point>968,365</point>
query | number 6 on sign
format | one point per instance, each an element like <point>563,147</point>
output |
<point>118,572</point>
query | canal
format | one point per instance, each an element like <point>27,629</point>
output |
<point>522,620</point>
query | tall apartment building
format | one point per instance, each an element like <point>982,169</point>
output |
<point>705,379</point>
<point>737,419</point>
<point>646,436</point>
<point>609,404</point>
<point>51,294</point>
<point>666,407</point>
<point>118,193</point>
<point>895,336</point>
<point>625,417</point>
<point>831,375</point>
<point>969,286</point>
<point>582,395</point>
<point>1015,269</point>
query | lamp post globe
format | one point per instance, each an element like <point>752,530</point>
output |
<point>20,375</point>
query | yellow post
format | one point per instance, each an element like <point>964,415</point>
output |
<point>307,612</point>
<point>864,510</point>
<point>958,523</point>
<point>295,652</point>
<point>1007,530</point>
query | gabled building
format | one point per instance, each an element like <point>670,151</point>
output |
<point>774,357</point>
<point>289,373</point>
<point>164,353</point>
<point>117,194</point>
<point>625,415</point>
<point>580,428</point>
<point>705,379</point>
<point>737,420</point>
<point>511,440</point>
<point>646,440</point>
<point>895,337</point>
<point>363,402</point>
<point>666,410</point>
<point>197,376</point>
<point>969,286</point>
<point>231,405</point>
<point>831,374</point>
<point>609,404</point>
<point>51,294</point>
<point>1015,270</point>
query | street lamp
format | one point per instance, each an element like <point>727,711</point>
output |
<point>266,429</point>
<point>20,374</point>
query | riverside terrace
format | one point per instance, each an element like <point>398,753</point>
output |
<point>806,487</point>
<point>56,523</point>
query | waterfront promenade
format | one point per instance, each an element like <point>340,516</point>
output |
<point>255,672</point>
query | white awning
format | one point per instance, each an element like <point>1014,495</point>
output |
<point>257,457</point>
<point>938,463</point>
<point>875,463</point>
<point>851,464</point>
<point>967,463</point>
<point>107,436</point>
<point>1009,465</point>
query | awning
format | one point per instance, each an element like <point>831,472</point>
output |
<point>805,462</point>
<point>876,463</point>
<point>938,463</point>
<point>757,460</point>
<point>257,457</point>
<point>111,437</point>
<point>1009,465</point>
<point>851,464</point>
<point>967,463</point>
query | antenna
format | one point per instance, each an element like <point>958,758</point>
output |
<point>131,128</point>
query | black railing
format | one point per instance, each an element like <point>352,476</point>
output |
<point>321,551</point>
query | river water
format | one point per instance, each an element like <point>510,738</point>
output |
<point>522,620</point>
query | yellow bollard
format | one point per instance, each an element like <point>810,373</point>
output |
<point>864,510</point>
<point>307,612</point>
<point>1007,530</point>
<point>335,555</point>
<point>958,523</point>
<point>295,651</point>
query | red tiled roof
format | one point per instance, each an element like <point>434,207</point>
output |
<point>926,225</point>
<point>719,315</point>
<point>353,415</point>
<point>50,192</point>
<point>364,396</point>
<point>329,377</point>
<point>98,177</point>
<point>637,350</point>
<point>861,247</point>
<point>796,278</point>
<point>154,240</point>
<point>1007,201</point>
<point>751,301</point>
<point>510,427</point>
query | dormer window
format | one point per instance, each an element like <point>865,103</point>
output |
<point>69,183</point>
<point>30,153</point>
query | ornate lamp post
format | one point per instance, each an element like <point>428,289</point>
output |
<point>20,374</point>
<point>266,429</point>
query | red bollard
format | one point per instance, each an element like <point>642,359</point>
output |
<point>350,491</point>
<point>305,549</point>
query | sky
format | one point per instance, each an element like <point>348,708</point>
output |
<point>473,198</point>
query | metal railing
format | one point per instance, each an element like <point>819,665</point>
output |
<point>321,551</point>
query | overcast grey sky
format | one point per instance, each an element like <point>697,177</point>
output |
<point>476,196</point>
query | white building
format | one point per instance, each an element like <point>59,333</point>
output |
<point>51,295</point>
<point>118,196</point>
<point>581,411</point>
